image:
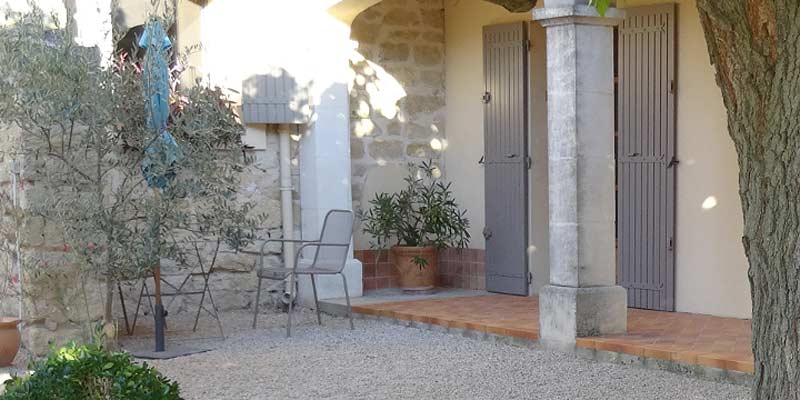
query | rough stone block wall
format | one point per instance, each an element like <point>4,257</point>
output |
<point>57,302</point>
<point>233,283</point>
<point>397,103</point>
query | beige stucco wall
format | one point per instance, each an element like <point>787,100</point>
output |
<point>711,269</point>
<point>464,21</point>
<point>189,15</point>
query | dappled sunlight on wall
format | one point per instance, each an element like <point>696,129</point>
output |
<point>397,104</point>
<point>383,90</point>
<point>709,203</point>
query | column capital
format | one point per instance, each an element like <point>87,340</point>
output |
<point>577,14</point>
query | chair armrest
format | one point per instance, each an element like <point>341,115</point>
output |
<point>281,241</point>
<point>314,244</point>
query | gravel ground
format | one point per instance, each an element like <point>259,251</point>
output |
<point>384,361</point>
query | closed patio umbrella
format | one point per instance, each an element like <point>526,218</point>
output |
<point>162,152</point>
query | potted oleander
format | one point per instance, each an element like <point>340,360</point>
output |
<point>415,223</point>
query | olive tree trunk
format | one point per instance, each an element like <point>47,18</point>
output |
<point>755,48</point>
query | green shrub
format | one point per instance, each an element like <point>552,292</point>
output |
<point>90,372</point>
<point>423,214</point>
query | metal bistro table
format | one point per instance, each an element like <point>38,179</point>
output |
<point>202,270</point>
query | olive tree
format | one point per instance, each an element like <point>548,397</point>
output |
<point>84,138</point>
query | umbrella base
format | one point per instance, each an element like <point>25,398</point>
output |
<point>174,351</point>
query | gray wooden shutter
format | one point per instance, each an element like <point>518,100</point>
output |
<point>274,99</point>
<point>505,66</point>
<point>646,156</point>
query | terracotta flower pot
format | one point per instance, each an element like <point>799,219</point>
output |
<point>413,277</point>
<point>9,340</point>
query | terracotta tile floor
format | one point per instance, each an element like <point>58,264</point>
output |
<point>681,337</point>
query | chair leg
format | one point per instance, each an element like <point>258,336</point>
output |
<point>349,307</point>
<point>124,310</point>
<point>291,306</point>
<point>216,313</point>
<point>138,305</point>
<point>316,300</point>
<point>258,301</point>
<point>200,307</point>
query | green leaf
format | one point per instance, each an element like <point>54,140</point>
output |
<point>90,373</point>
<point>601,6</point>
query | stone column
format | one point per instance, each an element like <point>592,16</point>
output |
<point>582,298</point>
<point>325,174</point>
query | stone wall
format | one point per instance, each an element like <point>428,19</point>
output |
<point>56,301</point>
<point>397,103</point>
<point>233,283</point>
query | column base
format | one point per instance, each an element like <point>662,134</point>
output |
<point>567,313</point>
<point>330,286</point>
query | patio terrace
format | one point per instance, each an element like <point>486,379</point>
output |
<point>720,347</point>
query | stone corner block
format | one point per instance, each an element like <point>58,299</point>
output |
<point>566,313</point>
<point>558,14</point>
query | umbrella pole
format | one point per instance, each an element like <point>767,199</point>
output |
<point>159,307</point>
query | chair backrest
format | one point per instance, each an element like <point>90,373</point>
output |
<point>337,231</point>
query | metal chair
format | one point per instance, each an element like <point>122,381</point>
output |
<point>330,256</point>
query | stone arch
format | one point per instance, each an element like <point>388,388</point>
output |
<point>347,10</point>
<point>398,66</point>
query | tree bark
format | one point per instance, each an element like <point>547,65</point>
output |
<point>754,46</point>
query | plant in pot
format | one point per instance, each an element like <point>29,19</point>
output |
<point>416,222</point>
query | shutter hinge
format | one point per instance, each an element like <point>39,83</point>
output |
<point>530,278</point>
<point>672,86</point>
<point>528,44</point>
<point>486,98</point>
<point>670,245</point>
<point>528,162</point>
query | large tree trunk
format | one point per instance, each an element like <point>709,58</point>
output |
<point>755,48</point>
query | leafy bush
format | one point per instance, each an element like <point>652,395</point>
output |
<point>90,373</point>
<point>423,214</point>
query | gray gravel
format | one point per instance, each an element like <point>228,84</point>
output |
<point>384,361</point>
